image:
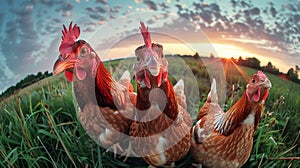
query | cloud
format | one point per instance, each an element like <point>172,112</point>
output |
<point>240,27</point>
<point>10,2</point>
<point>151,5</point>
<point>164,6</point>
<point>100,9</point>
<point>102,1</point>
<point>255,11</point>
<point>90,9</point>
<point>48,3</point>
<point>1,21</point>
<point>115,9</point>
<point>244,4</point>
<point>66,6</point>
<point>96,16</point>
<point>179,7</point>
<point>290,7</point>
<point>273,11</point>
<point>20,41</point>
<point>150,21</point>
<point>248,20</point>
<point>206,16</point>
<point>214,7</point>
<point>96,13</point>
<point>233,3</point>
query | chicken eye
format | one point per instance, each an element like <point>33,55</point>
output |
<point>253,80</point>
<point>83,51</point>
<point>138,59</point>
<point>65,56</point>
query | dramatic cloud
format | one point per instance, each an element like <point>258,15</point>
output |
<point>248,21</point>
<point>151,5</point>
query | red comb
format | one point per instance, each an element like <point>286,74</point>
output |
<point>68,38</point>
<point>146,35</point>
<point>261,74</point>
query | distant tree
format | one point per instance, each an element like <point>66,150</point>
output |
<point>269,66</point>
<point>292,74</point>
<point>297,69</point>
<point>253,62</point>
<point>28,80</point>
<point>271,69</point>
<point>39,74</point>
<point>212,56</point>
<point>233,60</point>
<point>196,55</point>
<point>240,61</point>
<point>46,74</point>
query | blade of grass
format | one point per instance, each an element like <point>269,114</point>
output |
<point>286,158</point>
<point>6,159</point>
<point>99,157</point>
<point>296,139</point>
<point>286,122</point>
<point>59,137</point>
<point>285,152</point>
<point>258,142</point>
<point>12,160</point>
<point>259,165</point>
<point>53,163</point>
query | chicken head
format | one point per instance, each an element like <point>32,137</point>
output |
<point>76,57</point>
<point>150,67</point>
<point>258,87</point>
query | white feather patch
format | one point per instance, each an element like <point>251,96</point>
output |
<point>223,122</point>
<point>126,75</point>
<point>212,95</point>
<point>104,135</point>
<point>249,119</point>
<point>200,133</point>
<point>161,148</point>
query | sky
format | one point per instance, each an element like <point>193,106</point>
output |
<point>30,31</point>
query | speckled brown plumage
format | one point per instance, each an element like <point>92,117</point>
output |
<point>106,107</point>
<point>165,126</point>
<point>225,139</point>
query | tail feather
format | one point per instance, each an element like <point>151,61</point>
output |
<point>126,75</point>
<point>179,91</point>
<point>212,95</point>
<point>125,81</point>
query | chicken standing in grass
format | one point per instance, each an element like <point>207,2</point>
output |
<point>106,106</point>
<point>225,139</point>
<point>161,132</point>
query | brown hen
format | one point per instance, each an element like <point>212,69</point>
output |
<point>106,106</point>
<point>160,133</point>
<point>225,139</point>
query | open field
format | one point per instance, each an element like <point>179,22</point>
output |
<point>39,125</point>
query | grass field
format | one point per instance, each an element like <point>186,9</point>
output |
<point>39,126</point>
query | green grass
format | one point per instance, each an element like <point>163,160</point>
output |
<point>39,127</point>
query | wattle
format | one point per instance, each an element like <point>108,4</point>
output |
<point>69,75</point>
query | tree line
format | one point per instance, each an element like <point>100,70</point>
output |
<point>253,62</point>
<point>28,80</point>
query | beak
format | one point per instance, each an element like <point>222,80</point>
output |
<point>61,65</point>
<point>153,66</point>
<point>266,83</point>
